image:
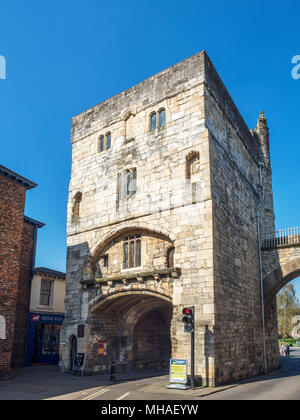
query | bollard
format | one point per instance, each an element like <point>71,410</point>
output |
<point>113,371</point>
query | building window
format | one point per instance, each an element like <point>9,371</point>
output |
<point>132,251</point>
<point>46,292</point>
<point>102,143</point>
<point>76,206</point>
<point>105,261</point>
<point>108,141</point>
<point>162,118</point>
<point>105,142</point>
<point>127,184</point>
<point>153,121</point>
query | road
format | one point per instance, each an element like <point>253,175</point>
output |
<point>30,384</point>
<point>283,385</point>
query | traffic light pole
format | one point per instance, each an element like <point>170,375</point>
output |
<point>192,359</point>
<point>189,327</point>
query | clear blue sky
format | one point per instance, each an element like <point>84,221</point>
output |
<point>66,56</point>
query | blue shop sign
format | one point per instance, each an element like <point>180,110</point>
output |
<point>47,318</point>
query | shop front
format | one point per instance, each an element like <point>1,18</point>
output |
<point>43,338</point>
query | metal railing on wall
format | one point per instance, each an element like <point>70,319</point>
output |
<point>288,236</point>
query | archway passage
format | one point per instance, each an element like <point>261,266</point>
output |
<point>273,283</point>
<point>136,330</point>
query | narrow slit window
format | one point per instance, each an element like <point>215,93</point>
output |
<point>102,144</point>
<point>128,184</point>
<point>134,182</point>
<point>153,121</point>
<point>108,141</point>
<point>162,118</point>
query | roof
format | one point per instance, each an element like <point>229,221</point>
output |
<point>33,222</point>
<point>17,178</point>
<point>49,272</point>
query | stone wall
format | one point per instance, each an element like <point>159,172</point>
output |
<point>23,296</point>
<point>235,192</point>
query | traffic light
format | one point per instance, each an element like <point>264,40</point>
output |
<point>188,319</point>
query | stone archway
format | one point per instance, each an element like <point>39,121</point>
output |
<point>280,276</point>
<point>273,282</point>
<point>136,327</point>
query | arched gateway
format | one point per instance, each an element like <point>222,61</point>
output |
<point>135,325</point>
<point>281,264</point>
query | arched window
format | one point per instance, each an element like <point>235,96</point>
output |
<point>108,141</point>
<point>153,121</point>
<point>76,205</point>
<point>101,143</point>
<point>130,127</point>
<point>191,160</point>
<point>162,118</point>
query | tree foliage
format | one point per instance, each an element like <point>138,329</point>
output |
<point>287,307</point>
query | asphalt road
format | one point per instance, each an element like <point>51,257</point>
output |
<point>282,385</point>
<point>48,383</point>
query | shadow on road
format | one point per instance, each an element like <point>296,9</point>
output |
<point>42,382</point>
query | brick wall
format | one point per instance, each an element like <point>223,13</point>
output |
<point>11,232</point>
<point>23,296</point>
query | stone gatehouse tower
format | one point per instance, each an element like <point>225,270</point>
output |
<point>162,214</point>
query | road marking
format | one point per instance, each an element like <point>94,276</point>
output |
<point>123,396</point>
<point>96,394</point>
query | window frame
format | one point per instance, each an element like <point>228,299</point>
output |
<point>160,112</point>
<point>47,293</point>
<point>132,251</point>
<point>152,115</point>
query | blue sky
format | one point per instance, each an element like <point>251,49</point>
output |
<point>66,56</point>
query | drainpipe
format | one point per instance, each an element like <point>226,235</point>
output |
<point>35,228</point>
<point>261,269</point>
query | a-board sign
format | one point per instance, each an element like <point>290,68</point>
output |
<point>178,371</point>
<point>78,364</point>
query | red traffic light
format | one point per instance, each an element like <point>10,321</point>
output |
<point>187,311</point>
